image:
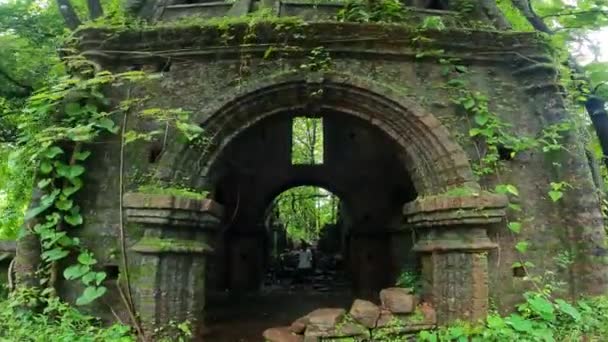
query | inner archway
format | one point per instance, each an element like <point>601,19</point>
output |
<point>359,164</point>
<point>308,230</point>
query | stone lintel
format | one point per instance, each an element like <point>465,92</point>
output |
<point>463,239</point>
<point>149,245</point>
<point>456,211</point>
<point>340,39</point>
<point>171,210</point>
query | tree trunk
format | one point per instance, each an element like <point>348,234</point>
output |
<point>27,258</point>
<point>595,105</point>
<point>69,14</point>
<point>493,13</point>
<point>596,108</point>
<point>526,9</point>
<point>95,9</point>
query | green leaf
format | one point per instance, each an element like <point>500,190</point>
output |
<point>72,109</point>
<point>474,132</point>
<point>55,254</point>
<point>495,322</point>
<point>512,189</point>
<point>88,278</point>
<point>46,167</point>
<point>74,219</point>
<point>100,277</point>
<point>49,199</point>
<point>514,207</point>
<point>70,171</point>
<point>75,271</point>
<point>107,124</point>
<point>468,103</point>
<point>481,119</point>
<point>83,155</point>
<point>568,309</point>
<point>44,183</point>
<point>542,307</point>
<point>507,188</point>
<point>555,195</point>
<point>427,336</point>
<point>519,323</point>
<point>86,258</point>
<point>81,133</point>
<point>64,204</point>
<point>52,152</point>
<point>461,68</point>
<point>90,294</point>
<point>522,246</point>
<point>70,190</point>
<point>515,227</point>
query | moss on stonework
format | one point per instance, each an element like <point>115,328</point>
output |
<point>461,191</point>
<point>154,189</point>
<point>158,245</point>
<point>222,23</point>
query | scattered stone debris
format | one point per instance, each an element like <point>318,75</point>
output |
<point>398,317</point>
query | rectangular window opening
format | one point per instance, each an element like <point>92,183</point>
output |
<point>307,141</point>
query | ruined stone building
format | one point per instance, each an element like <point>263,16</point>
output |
<point>397,151</point>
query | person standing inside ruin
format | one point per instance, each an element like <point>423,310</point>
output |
<point>304,262</point>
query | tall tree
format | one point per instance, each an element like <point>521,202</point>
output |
<point>574,20</point>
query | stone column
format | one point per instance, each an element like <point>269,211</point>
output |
<point>453,245</point>
<point>167,264</point>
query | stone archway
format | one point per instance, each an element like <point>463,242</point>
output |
<point>431,165</point>
<point>435,162</point>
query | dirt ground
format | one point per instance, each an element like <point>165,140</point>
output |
<point>244,318</point>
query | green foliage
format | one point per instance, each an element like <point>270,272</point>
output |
<point>63,117</point>
<point>557,190</point>
<point>172,191</point>
<point>27,315</point>
<point>539,318</point>
<point>307,141</point>
<point>304,211</point>
<point>388,11</point>
<point>410,280</point>
<point>174,332</point>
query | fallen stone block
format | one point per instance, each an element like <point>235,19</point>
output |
<point>351,330</point>
<point>325,319</point>
<point>365,312</point>
<point>398,300</point>
<point>281,334</point>
<point>299,325</point>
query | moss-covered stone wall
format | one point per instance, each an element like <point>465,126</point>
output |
<point>231,75</point>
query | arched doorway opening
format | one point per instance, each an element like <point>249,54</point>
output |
<point>391,161</point>
<point>307,233</point>
<point>348,157</point>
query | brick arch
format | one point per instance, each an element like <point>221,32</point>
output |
<point>433,160</point>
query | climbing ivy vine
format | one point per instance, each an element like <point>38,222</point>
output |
<point>70,114</point>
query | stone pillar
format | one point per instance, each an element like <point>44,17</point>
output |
<point>167,264</point>
<point>453,248</point>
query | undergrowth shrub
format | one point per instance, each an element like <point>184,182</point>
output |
<point>26,315</point>
<point>539,318</point>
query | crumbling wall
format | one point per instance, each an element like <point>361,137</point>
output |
<point>210,70</point>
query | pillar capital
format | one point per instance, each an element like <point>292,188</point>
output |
<point>453,211</point>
